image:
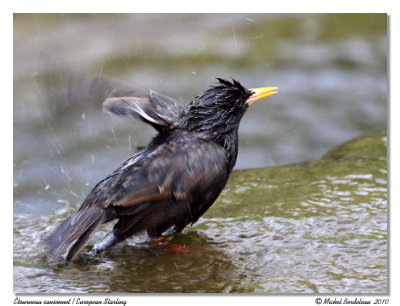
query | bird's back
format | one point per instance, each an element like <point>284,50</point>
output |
<point>182,171</point>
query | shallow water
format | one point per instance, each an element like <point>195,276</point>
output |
<point>318,226</point>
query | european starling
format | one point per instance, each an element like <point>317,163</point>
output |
<point>172,181</point>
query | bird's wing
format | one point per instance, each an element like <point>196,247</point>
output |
<point>174,172</point>
<point>162,112</point>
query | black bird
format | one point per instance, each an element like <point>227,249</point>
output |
<point>175,179</point>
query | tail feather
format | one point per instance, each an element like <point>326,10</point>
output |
<point>77,230</point>
<point>82,240</point>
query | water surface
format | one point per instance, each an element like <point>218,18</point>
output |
<point>312,227</point>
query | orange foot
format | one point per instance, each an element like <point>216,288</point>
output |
<point>171,246</point>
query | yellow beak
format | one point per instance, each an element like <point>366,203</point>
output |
<point>259,93</point>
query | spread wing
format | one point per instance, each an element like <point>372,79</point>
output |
<point>162,112</point>
<point>137,102</point>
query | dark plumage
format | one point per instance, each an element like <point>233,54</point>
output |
<point>175,179</point>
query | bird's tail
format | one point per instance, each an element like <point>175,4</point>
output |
<point>75,232</point>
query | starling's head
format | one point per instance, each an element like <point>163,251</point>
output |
<point>220,108</point>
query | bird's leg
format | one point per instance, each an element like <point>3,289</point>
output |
<point>161,240</point>
<point>171,246</point>
<point>107,243</point>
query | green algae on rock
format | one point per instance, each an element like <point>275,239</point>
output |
<point>372,146</point>
<point>360,158</point>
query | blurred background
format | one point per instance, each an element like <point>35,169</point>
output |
<point>331,70</point>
